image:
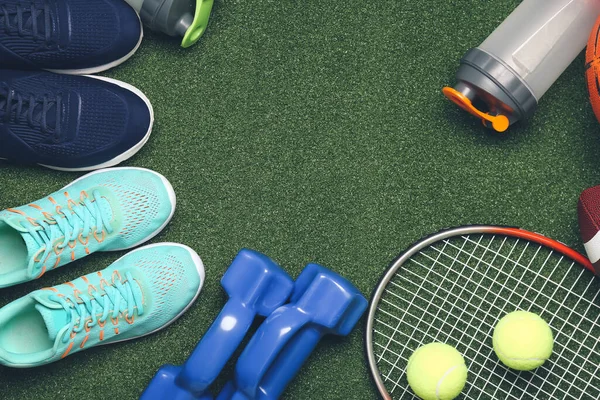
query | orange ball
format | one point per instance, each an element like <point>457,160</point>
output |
<point>592,68</point>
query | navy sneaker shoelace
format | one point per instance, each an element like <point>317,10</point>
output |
<point>37,112</point>
<point>30,20</point>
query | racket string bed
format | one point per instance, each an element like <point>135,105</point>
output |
<point>455,290</point>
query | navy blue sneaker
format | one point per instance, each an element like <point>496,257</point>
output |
<point>71,123</point>
<point>67,36</point>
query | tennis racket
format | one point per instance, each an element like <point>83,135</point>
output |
<point>454,286</point>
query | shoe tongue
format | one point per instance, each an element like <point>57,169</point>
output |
<point>105,208</point>
<point>55,319</point>
<point>32,246</point>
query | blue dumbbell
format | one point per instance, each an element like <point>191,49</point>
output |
<point>256,286</point>
<point>322,303</point>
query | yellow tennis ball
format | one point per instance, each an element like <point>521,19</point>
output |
<point>522,340</point>
<point>436,371</point>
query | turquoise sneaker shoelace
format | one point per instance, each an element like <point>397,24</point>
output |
<point>118,297</point>
<point>86,212</point>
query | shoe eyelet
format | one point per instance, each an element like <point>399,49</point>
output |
<point>58,248</point>
<point>49,218</point>
<point>100,240</point>
<point>76,294</point>
<point>91,290</point>
<point>129,321</point>
<point>32,221</point>
<point>83,240</point>
<point>117,275</point>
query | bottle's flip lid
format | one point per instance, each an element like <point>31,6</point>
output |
<point>177,18</point>
<point>196,29</point>
<point>491,90</point>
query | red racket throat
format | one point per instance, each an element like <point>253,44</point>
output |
<point>544,240</point>
<point>454,286</point>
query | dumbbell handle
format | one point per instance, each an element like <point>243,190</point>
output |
<point>288,363</point>
<point>229,392</point>
<point>216,347</point>
<point>276,352</point>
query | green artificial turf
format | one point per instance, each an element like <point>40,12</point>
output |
<point>315,131</point>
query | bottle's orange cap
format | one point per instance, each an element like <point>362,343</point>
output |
<point>499,122</point>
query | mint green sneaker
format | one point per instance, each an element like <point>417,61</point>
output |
<point>106,210</point>
<point>139,294</point>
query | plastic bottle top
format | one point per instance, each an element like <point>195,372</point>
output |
<point>505,76</point>
<point>175,17</point>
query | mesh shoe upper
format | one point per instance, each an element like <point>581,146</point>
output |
<point>69,121</point>
<point>66,35</point>
<point>106,210</point>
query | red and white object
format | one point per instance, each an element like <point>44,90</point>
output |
<point>588,211</point>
